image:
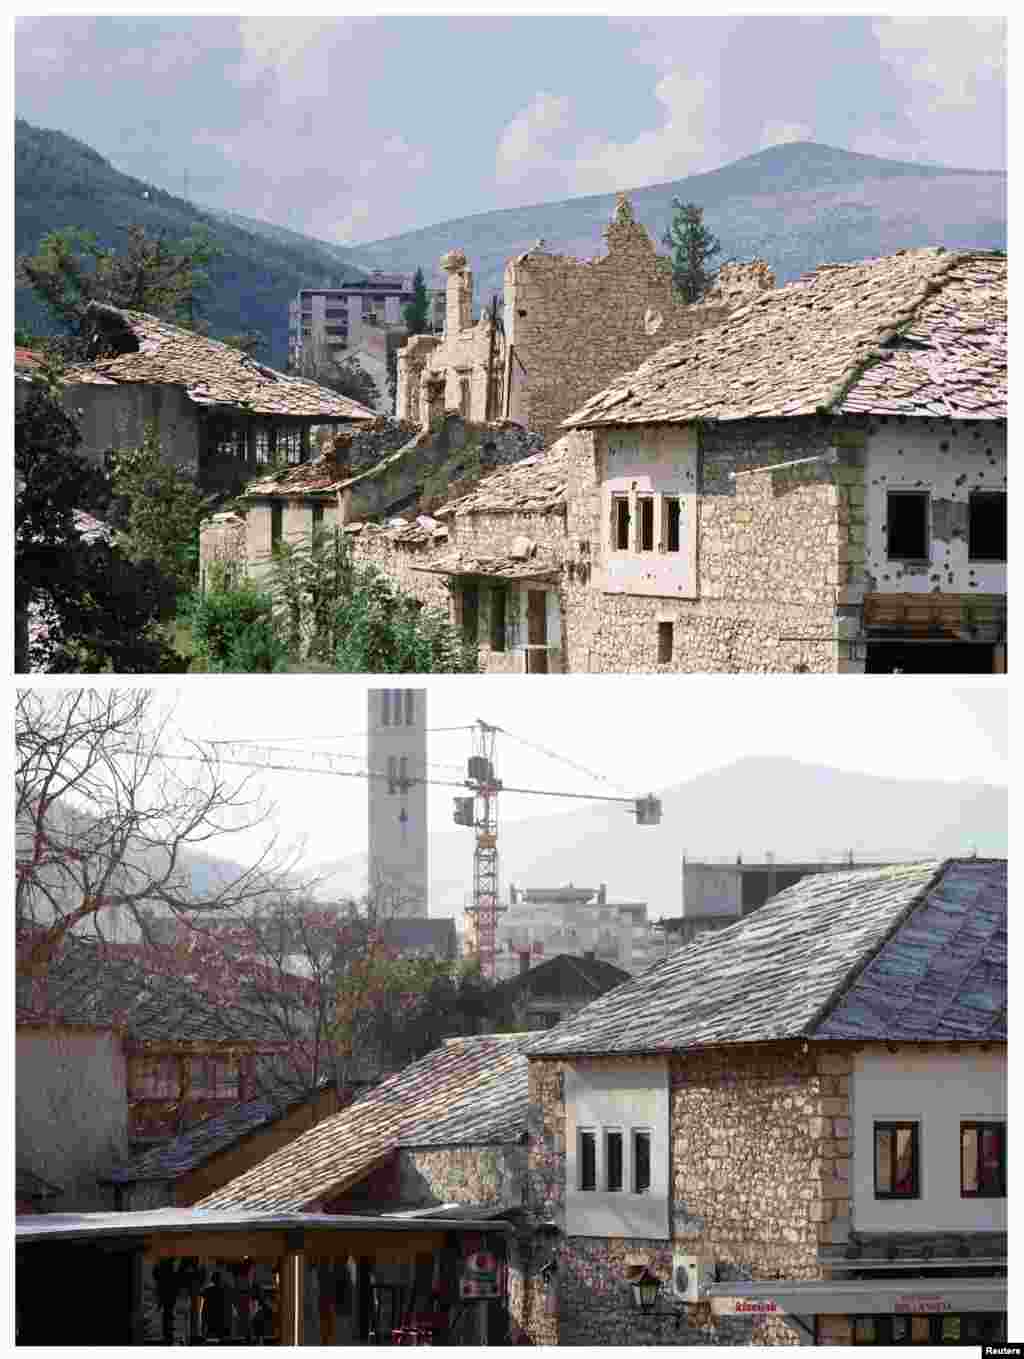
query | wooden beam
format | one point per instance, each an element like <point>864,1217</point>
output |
<point>329,1242</point>
<point>293,1291</point>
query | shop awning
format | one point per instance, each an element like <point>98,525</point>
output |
<point>861,1297</point>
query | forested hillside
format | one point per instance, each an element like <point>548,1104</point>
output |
<point>61,182</point>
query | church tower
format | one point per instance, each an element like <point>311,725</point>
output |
<point>397,797</point>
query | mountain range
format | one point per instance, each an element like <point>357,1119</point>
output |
<point>797,206</point>
<point>754,806</point>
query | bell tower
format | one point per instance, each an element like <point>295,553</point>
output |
<point>397,799</point>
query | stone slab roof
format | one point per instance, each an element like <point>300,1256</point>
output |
<point>564,975</point>
<point>536,485</point>
<point>912,951</point>
<point>471,1090</point>
<point>504,567</point>
<point>212,373</point>
<point>84,986</point>
<point>317,477</point>
<point>918,333</point>
<point>178,1155</point>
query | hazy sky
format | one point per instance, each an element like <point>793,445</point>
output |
<point>359,128</point>
<point>637,734</point>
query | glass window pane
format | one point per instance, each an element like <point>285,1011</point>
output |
<point>990,1161</point>
<point>904,1177</point>
<point>951,1330</point>
<point>641,1162</point>
<point>613,1159</point>
<point>900,1330</point>
<point>408,707</point>
<point>588,1160</point>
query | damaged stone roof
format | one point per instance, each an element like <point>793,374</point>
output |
<point>471,1090</point>
<point>505,566</point>
<point>911,952</point>
<point>321,476</point>
<point>918,333</point>
<point>536,485</point>
<point>212,373</point>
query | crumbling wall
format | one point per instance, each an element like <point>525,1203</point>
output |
<point>573,326</point>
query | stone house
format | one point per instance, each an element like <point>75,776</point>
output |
<point>817,483</point>
<point>216,411</point>
<point>567,328</point>
<point>444,1136</point>
<point>577,922</point>
<point>541,996</point>
<point>797,1124</point>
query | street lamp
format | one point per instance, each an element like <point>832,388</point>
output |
<point>646,1287</point>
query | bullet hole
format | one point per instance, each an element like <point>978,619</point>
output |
<point>900,452</point>
<point>944,446</point>
<point>988,453</point>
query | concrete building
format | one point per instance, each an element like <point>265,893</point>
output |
<point>396,721</point>
<point>363,320</point>
<point>545,922</point>
<point>798,1128</point>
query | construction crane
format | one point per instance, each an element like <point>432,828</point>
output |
<point>479,811</point>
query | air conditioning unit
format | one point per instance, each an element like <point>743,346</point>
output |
<point>686,1277</point>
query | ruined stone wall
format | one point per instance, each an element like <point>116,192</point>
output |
<point>223,545</point>
<point>576,325</point>
<point>759,1175</point>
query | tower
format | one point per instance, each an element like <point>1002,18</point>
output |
<point>397,797</point>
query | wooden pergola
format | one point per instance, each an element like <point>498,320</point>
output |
<point>107,1253</point>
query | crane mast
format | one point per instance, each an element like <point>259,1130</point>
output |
<point>482,916</point>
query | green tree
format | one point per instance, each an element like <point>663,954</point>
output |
<point>70,269</point>
<point>93,609</point>
<point>417,312</point>
<point>233,630</point>
<point>692,246</point>
<point>156,511</point>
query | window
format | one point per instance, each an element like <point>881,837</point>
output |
<point>230,442</point>
<point>986,528</point>
<point>664,643</point>
<point>318,518</point>
<point>156,1078</point>
<point>385,707</point>
<point>670,523</point>
<point>392,773</point>
<point>645,526</point>
<point>289,443</point>
<point>967,1328</point>
<point>641,1161</point>
<point>499,609</point>
<point>620,523</point>
<point>982,1160</point>
<point>587,1159</point>
<point>470,613</point>
<point>613,1159</point>
<point>896,1161</point>
<point>214,1078</point>
<point>408,708</point>
<point>276,521</point>
<point>907,525</point>
<point>262,444</point>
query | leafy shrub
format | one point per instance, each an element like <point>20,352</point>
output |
<point>233,631</point>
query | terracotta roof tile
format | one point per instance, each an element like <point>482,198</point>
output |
<point>911,951</point>
<point>471,1090</point>
<point>922,332</point>
<point>212,373</point>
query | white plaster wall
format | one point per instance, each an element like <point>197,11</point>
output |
<point>650,461</point>
<point>632,1097</point>
<point>937,1090</point>
<point>950,461</point>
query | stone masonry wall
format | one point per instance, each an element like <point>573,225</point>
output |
<point>576,325</point>
<point>759,1169</point>
<point>489,1174</point>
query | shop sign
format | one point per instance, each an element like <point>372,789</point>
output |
<point>481,1275</point>
<point>745,1307</point>
<point>913,1302</point>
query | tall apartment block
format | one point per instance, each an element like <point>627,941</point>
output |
<point>356,318</point>
<point>397,797</point>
